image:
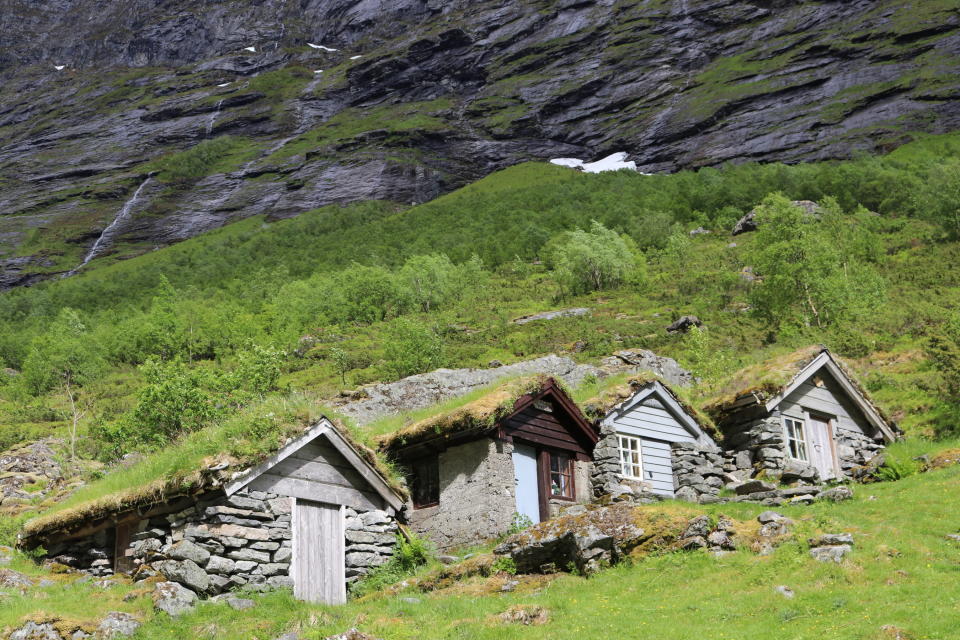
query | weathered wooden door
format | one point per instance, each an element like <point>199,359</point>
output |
<point>821,446</point>
<point>318,553</point>
<point>527,487</point>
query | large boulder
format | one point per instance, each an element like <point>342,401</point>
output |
<point>587,541</point>
<point>754,486</point>
<point>837,494</point>
<point>684,324</point>
<point>831,547</point>
<point>10,579</point>
<point>36,631</point>
<point>749,222</point>
<point>117,625</point>
<point>645,360</point>
<point>173,598</point>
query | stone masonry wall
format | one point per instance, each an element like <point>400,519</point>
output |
<point>698,471</point>
<point>606,478</point>
<point>477,499</point>
<point>854,449</point>
<point>220,543</point>
<point>761,446</point>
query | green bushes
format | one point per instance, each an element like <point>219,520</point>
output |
<point>593,260</point>
<point>411,347</point>
<point>814,268</point>
<point>408,556</point>
<point>216,155</point>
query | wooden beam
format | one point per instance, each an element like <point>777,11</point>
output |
<point>316,492</point>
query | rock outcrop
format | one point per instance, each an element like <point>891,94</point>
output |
<point>438,94</point>
<point>427,389</point>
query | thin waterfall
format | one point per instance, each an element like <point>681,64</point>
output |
<point>109,232</point>
<point>213,119</point>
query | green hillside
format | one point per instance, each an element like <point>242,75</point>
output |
<point>344,296</point>
<point>228,342</point>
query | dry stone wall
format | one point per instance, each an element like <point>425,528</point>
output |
<point>219,543</point>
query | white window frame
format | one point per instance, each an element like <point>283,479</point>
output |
<point>636,466</point>
<point>802,443</point>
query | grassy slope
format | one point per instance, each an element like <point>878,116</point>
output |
<point>242,270</point>
<point>903,572</point>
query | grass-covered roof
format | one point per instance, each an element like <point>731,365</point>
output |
<point>479,416</point>
<point>763,379</point>
<point>201,461</point>
<point>597,407</point>
<point>768,379</point>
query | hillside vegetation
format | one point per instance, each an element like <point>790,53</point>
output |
<point>134,355</point>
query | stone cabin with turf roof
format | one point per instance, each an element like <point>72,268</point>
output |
<point>315,515</point>
<point>802,417</point>
<point>524,449</point>
<point>650,440</point>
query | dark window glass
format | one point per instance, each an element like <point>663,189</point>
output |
<point>561,476</point>
<point>425,482</point>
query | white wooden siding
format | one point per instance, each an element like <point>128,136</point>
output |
<point>657,423</point>
<point>658,466</point>
<point>318,568</point>
<point>829,400</point>
<point>319,472</point>
<point>657,428</point>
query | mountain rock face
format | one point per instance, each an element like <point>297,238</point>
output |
<point>170,119</point>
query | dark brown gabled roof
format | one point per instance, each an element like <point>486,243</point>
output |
<point>486,416</point>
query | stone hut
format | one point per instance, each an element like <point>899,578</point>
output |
<point>314,516</point>
<point>651,441</point>
<point>801,417</point>
<point>522,450</point>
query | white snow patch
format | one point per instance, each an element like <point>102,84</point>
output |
<point>59,67</point>
<point>355,57</point>
<point>573,163</point>
<point>225,84</point>
<point>250,49</point>
<point>318,70</point>
<point>613,162</point>
<point>319,46</point>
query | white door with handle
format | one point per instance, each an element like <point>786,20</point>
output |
<point>820,437</point>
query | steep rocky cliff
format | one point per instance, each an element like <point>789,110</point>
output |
<point>169,119</point>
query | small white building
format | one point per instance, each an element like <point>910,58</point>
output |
<point>639,424</point>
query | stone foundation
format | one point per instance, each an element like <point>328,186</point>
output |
<point>217,543</point>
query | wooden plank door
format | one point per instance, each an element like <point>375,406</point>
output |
<point>821,446</point>
<point>527,491</point>
<point>318,553</point>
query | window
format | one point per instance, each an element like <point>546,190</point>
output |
<point>631,465</point>
<point>561,476</point>
<point>425,482</point>
<point>796,439</point>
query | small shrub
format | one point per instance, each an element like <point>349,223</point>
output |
<point>408,555</point>
<point>520,522</point>
<point>504,564</point>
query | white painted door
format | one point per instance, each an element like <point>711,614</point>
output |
<point>318,553</point>
<point>821,447</point>
<point>525,468</point>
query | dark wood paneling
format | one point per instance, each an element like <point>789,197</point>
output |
<point>544,428</point>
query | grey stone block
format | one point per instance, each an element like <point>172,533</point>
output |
<point>187,550</point>
<point>249,555</point>
<point>218,564</point>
